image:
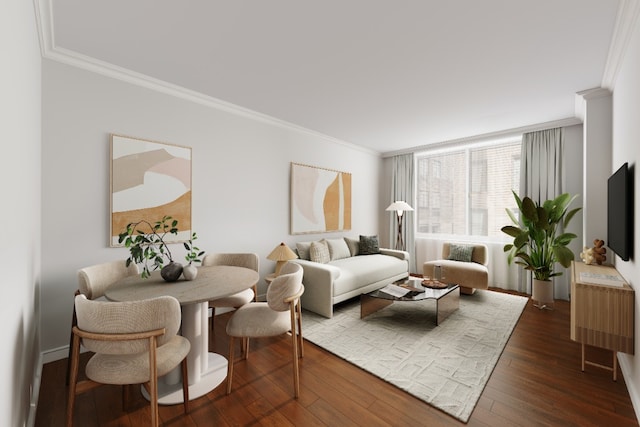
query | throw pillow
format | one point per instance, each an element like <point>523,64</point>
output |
<point>369,245</point>
<point>460,252</point>
<point>354,246</point>
<point>303,250</point>
<point>338,249</point>
<point>320,252</point>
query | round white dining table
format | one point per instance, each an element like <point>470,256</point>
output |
<point>206,370</point>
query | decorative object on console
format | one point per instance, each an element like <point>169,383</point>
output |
<point>399,207</point>
<point>149,180</point>
<point>599,251</point>
<point>536,245</point>
<point>281,254</point>
<point>320,200</point>
<point>147,244</point>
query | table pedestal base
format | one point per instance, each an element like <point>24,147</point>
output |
<point>171,394</point>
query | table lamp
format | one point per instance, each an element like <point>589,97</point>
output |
<point>281,254</point>
<point>399,207</point>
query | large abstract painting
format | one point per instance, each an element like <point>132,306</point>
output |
<point>148,181</point>
<point>320,200</point>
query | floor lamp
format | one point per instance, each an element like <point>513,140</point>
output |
<point>399,207</point>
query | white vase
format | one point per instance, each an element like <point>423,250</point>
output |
<point>542,292</point>
<point>189,271</point>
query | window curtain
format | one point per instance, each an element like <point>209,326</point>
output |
<point>403,188</point>
<point>542,178</point>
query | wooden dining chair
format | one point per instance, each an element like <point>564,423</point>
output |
<point>134,342</point>
<point>93,281</point>
<point>279,315</point>
<point>246,260</point>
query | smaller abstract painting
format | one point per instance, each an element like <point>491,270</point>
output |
<point>320,200</point>
<point>148,181</point>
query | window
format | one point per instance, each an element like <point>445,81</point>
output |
<point>464,190</point>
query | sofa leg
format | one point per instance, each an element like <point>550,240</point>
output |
<point>467,291</point>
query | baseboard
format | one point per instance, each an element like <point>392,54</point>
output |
<point>35,394</point>
<point>634,394</point>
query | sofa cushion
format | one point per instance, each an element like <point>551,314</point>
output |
<point>338,249</point>
<point>354,246</point>
<point>360,271</point>
<point>461,252</point>
<point>303,249</point>
<point>319,252</point>
<point>369,245</point>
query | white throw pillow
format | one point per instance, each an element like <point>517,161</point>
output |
<point>320,252</point>
<point>338,249</point>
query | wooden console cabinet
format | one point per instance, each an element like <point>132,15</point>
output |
<point>602,315</point>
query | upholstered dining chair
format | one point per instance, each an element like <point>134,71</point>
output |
<point>247,260</point>
<point>93,282</point>
<point>134,342</point>
<point>279,315</point>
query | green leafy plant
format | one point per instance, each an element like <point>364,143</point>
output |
<point>536,245</point>
<point>146,243</point>
<point>193,252</point>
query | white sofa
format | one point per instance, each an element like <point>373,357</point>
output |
<point>339,279</point>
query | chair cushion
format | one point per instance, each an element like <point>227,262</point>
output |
<point>460,252</point>
<point>235,300</point>
<point>134,368</point>
<point>258,320</point>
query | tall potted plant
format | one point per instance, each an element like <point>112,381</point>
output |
<point>537,246</point>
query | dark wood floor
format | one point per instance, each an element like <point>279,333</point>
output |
<point>537,382</point>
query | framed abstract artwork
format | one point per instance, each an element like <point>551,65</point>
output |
<point>148,181</point>
<point>320,200</point>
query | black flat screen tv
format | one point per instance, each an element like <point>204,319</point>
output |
<point>620,213</point>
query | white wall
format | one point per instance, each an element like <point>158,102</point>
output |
<point>626,137</point>
<point>241,170</point>
<point>20,214</point>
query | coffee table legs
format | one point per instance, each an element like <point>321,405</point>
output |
<point>447,305</point>
<point>369,305</point>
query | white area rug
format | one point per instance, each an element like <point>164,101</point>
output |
<point>447,366</point>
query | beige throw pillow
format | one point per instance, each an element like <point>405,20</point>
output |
<point>319,252</point>
<point>338,249</point>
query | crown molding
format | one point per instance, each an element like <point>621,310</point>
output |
<point>49,50</point>
<point>626,21</point>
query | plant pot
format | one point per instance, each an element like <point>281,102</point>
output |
<point>189,271</point>
<point>171,272</point>
<point>542,291</point>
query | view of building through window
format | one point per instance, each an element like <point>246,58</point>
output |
<point>465,190</point>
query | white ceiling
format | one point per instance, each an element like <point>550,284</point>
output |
<point>384,74</point>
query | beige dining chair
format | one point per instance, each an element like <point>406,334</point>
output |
<point>134,342</point>
<point>247,260</point>
<point>279,315</point>
<point>93,282</point>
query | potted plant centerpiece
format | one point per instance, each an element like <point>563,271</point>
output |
<point>147,246</point>
<point>537,246</point>
<point>193,255</point>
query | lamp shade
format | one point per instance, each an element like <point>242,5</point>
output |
<point>399,206</point>
<point>281,254</point>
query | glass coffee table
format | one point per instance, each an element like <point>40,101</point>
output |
<point>447,298</point>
